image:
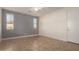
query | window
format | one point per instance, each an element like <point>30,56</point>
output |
<point>9,21</point>
<point>35,23</point>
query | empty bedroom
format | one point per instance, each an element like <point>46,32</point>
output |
<point>39,29</point>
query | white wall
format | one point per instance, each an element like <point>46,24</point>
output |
<point>73,24</point>
<point>54,24</point>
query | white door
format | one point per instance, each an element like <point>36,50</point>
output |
<point>73,25</point>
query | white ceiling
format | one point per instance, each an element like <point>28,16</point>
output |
<point>28,10</point>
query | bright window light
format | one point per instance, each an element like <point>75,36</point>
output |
<point>35,23</point>
<point>9,21</point>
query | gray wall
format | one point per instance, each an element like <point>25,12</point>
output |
<point>0,23</point>
<point>23,25</point>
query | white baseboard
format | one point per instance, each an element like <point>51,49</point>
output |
<point>51,37</point>
<point>46,36</point>
<point>30,36</point>
<point>20,37</point>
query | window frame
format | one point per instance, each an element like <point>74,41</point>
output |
<point>9,21</point>
<point>35,21</point>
